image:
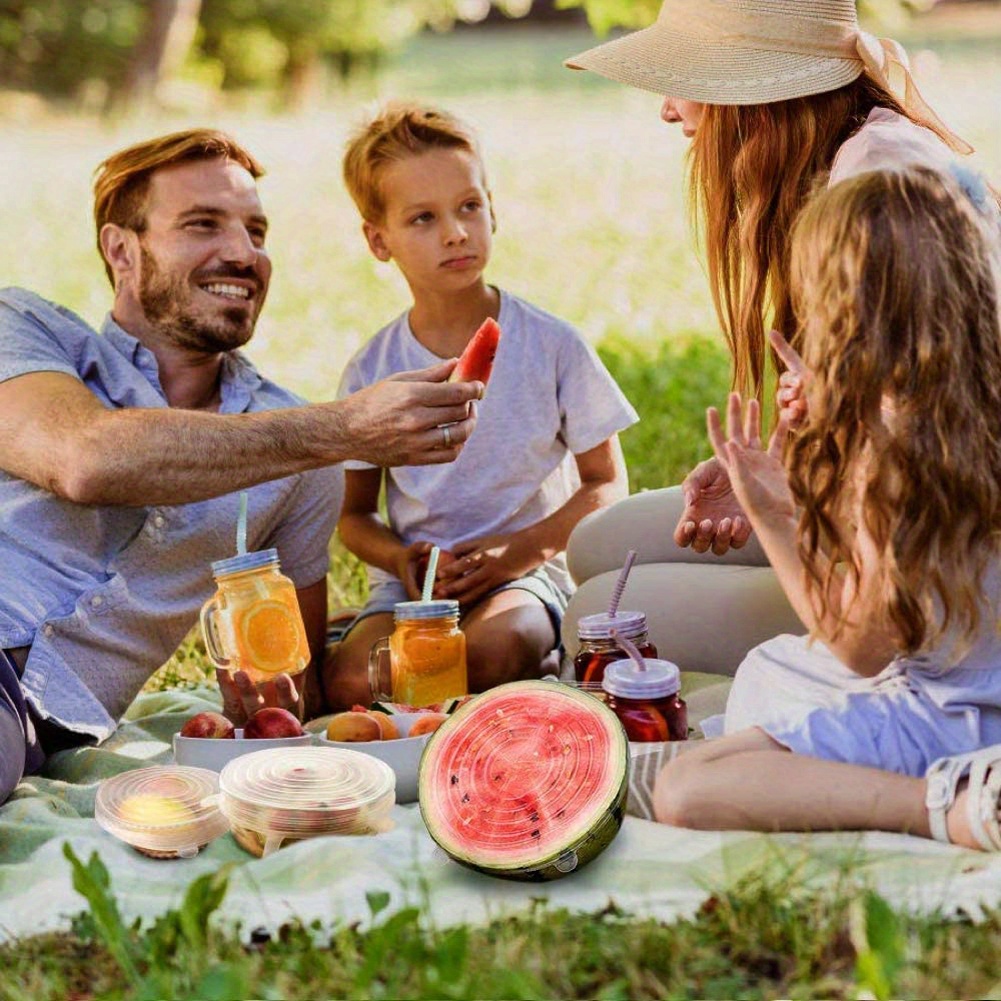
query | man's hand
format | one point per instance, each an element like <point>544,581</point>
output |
<point>241,698</point>
<point>713,517</point>
<point>483,564</point>
<point>401,421</point>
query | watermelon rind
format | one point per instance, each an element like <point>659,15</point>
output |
<point>587,834</point>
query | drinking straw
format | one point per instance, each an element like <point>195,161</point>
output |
<point>620,584</point>
<point>429,576</point>
<point>241,525</point>
<point>629,646</point>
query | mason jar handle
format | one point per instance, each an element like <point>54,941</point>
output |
<point>210,633</point>
<point>376,658</point>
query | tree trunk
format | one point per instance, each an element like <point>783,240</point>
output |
<point>169,31</point>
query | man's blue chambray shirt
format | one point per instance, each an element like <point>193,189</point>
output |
<point>104,595</point>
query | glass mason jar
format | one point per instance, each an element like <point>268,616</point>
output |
<point>426,653</point>
<point>253,622</point>
<point>597,648</point>
<point>647,701</point>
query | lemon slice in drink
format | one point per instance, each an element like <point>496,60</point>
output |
<point>270,635</point>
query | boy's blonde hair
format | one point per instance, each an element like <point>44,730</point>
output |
<point>121,182</point>
<point>398,131</point>
<point>894,285</point>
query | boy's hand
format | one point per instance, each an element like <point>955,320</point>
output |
<point>483,564</point>
<point>411,565</point>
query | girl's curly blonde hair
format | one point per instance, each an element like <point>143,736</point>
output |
<point>894,287</point>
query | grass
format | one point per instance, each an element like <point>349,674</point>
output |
<point>766,938</point>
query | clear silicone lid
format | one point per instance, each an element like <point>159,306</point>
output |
<point>300,792</point>
<point>245,561</point>
<point>624,679</point>
<point>599,626</point>
<point>167,810</point>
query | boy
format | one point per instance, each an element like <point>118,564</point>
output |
<point>546,449</point>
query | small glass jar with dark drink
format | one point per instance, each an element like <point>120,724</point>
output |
<point>647,701</point>
<point>598,649</point>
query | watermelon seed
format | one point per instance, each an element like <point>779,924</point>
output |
<point>465,798</point>
<point>534,816</point>
<point>536,833</point>
<point>560,814</point>
<point>455,780</point>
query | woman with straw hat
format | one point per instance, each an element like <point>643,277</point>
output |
<point>777,96</point>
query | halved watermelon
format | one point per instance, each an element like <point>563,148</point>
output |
<point>527,781</point>
<point>477,360</point>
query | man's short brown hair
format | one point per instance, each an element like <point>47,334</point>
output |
<point>121,182</point>
<point>398,131</point>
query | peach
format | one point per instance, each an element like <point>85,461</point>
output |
<point>428,723</point>
<point>354,727</point>
<point>271,722</point>
<point>209,724</point>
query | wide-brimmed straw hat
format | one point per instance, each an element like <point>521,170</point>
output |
<point>752,52</point>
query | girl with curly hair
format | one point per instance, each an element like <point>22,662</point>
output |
<point>882,521</point>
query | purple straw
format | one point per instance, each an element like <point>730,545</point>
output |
<point>629,646</point>
<point>620,584</point>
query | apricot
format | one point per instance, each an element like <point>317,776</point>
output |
<point>353,727</point>
<point>388,729</point>
<point>428,723</point>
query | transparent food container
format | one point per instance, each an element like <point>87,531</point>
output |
<point>165,811</point>
<point>279,796</point>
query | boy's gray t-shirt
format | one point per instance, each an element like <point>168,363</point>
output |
<point>549,398</point>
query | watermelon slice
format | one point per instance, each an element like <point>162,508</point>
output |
<point>477,360</point>
<point>527,781</point>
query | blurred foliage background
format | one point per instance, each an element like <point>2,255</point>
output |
<point>115,54</point>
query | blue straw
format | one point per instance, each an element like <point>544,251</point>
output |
<point>241,525</point>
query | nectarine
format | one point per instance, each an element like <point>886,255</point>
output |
<point>271,722</point>
<point>209,724</point>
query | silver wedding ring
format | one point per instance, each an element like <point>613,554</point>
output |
<point>446,437</point>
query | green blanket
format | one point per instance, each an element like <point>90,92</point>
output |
<point>649,869</point>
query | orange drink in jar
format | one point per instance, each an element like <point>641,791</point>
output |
<point>253,622</point>
<point>427,655</point>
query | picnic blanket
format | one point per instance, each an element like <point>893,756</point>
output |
<point>649,870</point>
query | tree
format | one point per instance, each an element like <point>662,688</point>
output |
<point>167,35</point>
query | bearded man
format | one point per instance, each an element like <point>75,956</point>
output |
<point>122,453</point>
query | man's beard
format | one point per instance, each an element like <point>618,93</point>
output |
<point>166,302</point>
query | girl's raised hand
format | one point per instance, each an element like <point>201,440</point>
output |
<point>757,474</point>
<point>791,394</point>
